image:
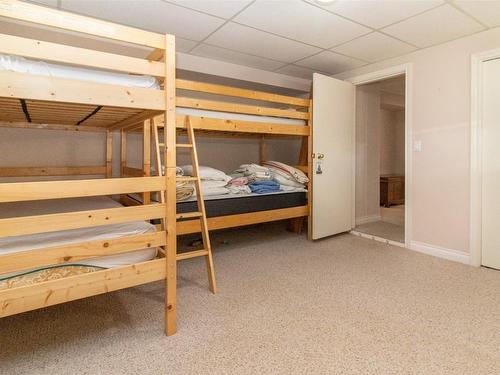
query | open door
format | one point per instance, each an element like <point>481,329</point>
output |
<point>333,154</point>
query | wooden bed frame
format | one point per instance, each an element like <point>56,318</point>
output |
<point>38,102</point>
<point>264,104</point>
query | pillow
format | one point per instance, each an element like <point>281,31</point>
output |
<point>297,174</point>
<point>286,182</point>
<point>207,173</point>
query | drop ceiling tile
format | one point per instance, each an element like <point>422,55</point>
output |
<point>378,13</point>
<point>374,47</point>
<point>487,12</point>
<point>297,71</point>
<point>153,15</point>
<point>221,8</point>
<point>300,21</point>
<point>184,45</point>
<point>330,62</point>
<point>235,57</point>
<point>435,26</point>
<point>255,42</point>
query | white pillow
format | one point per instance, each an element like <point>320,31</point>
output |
<point>286,182</point>
<point>207,173</point>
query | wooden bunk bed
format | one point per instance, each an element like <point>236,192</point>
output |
<point>258,115</point>
<point>54,103</point>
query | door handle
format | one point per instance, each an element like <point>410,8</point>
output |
<point>321,156</point>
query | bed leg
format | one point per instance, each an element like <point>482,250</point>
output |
<point>295,225</point>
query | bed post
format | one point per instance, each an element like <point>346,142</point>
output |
<point>123,152</point>
<point>170,195</point>
<point>146,157</point>
<point>109,154</point>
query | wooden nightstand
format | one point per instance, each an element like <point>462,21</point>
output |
<point>392,190</point>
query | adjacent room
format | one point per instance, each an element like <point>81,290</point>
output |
<point>249,187</point>
<point>380,159</point>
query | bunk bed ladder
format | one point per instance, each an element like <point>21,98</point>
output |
<point>200,215</point>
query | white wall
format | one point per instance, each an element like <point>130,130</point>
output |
<point>392,142</point>
<point>441,120</point>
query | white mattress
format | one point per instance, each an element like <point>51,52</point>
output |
<point>23,65</point>
<point>238,116</point>
<point>16,244</point>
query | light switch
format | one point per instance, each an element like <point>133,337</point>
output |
<point>417,146</point>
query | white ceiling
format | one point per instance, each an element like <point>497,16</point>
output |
<point>298,37</point>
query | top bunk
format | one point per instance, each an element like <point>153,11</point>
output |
<point>60,86</point>
<point>215,109</point>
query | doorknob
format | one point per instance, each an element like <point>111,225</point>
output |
<point>321,156</point>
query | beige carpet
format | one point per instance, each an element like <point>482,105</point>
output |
<point>344,305</point>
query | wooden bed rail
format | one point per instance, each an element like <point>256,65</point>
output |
<point>52,171</point>
<point>28,191</point>
<point>72,22</point>
<point>75,252</point>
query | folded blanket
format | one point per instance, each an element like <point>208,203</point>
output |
<point>214,191</point>
<point>184,190</point>
<point>239,189</point>
<point>286,182</point>
<point>239,181</point>
<point>253,172</point>
<point>263,187</point>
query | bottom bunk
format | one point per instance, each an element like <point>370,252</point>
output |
<point>46,277</point>
<point>233,210</point>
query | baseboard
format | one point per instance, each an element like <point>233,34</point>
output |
<point>368,219</point>
<point>376,238</point>
<point>440,252</point>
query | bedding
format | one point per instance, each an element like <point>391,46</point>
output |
<point>22,65</point>
<point>263,187</point>
<point>13,244</point>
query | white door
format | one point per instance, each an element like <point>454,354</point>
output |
<point>490,222</point>
<point>333,124</point>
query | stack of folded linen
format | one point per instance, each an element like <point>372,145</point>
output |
<point>183,189</point>
<point>287,176</point>
<point>213,181</point>
<point>239,185</point>
<point>253,172</point>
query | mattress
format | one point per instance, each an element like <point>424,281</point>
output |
<point>22,65</point>
<point>238,116</point>
<point>14,244</point>
<point>233,204</point>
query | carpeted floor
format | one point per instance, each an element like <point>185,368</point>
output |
<point>343,305</point>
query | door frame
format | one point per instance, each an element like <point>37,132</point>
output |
<point>476,125</point>
<point>407,70</point>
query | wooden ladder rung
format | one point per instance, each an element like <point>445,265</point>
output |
<point>184,145</point>
<point>189,215</point>
<point>161,144</point>
<point>192,254</point>
<point>186,178</point>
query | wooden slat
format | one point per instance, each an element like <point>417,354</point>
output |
<point>132,172</point>
<point>31,125</point>
<point>240,93</point>
<point>192,254</point>
<point>137,119</point>
<point>239,126</point>
<point>38,49</point>
<point>51,171</point>
<point>17,300</point>
<point>26,191</point>
<point>87,25</point>
<point>231,221</point>
<point>27,86</point>
<point>77,251</point>
<point>213,105</point>
<point>80,219</point>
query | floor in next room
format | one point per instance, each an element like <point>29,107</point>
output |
<point>391,226</point>
<point>342,305</point>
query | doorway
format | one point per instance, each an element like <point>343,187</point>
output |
<point>380,141</point>
<point>485,160</point>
